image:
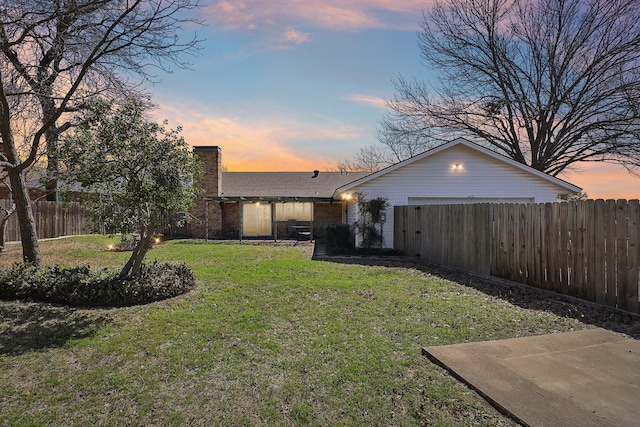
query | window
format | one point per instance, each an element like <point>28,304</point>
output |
<point>294,210</point>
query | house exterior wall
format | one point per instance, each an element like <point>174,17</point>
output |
<point>230,221</point>
<point>34,193</point>
<point>326,213</point>
<point>210,183</point>
<point>480,178</point>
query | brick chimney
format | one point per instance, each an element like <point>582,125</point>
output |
<point>211,181</point>
<point>211,184</point>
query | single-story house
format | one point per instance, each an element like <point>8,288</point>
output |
<point>277,204</point>
<point>273,205</point>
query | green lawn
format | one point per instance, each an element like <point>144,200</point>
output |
<point>268,337</point>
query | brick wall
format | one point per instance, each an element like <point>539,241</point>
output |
<point>326,213</point>
<point>231,220</point>
<point>210,183</point>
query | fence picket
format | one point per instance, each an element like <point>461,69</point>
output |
<point>633,257</point>
<point>564,228</point>
<point>578,250</point>
<point>622,228</point>
<point>610,252</point>
<point>590,250</point>
<point>551,235</point>
<point>600,257</point>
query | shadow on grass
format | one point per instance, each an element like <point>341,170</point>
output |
<point>30,326</point>
<point>523,296</point>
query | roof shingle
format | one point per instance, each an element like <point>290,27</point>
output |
<point>285,184</point>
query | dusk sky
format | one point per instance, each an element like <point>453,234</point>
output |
<point>298,85</point>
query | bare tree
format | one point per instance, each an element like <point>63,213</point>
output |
<point>369,159</point>
<point>55,54</point>
<point>548,83</point>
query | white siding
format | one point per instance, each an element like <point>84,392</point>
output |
<point>419,201</point>
<point>481,178</point>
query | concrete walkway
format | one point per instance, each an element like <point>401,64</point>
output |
<point>582,378</point>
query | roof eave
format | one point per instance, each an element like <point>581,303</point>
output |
<point>268,199</point>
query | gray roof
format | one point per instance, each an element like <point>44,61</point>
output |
<point>285,184</point>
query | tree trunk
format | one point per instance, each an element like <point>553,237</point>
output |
<point>51,189</point>
<point>51,137</point>
<point>28,235</point>
<point>3,226</point>
<point>133,265</point>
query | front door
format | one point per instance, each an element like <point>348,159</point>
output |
<point>256,219</point>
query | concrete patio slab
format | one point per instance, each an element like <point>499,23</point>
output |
<point>582,378</point>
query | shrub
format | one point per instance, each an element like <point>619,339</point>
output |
<point>372,217</point>
<point>79,286</point>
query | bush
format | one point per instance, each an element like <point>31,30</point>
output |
<point>79,286</point>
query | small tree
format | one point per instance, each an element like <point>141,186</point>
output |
<point>371,219</point>
<point>135,171</point>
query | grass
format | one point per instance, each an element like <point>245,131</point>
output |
<point>268,337</point>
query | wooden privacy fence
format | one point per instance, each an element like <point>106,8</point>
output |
<point>588,249</point>
<point>53,219</point>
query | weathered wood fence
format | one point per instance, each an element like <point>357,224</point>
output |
<point>588,249</point>
<point>52,220</point>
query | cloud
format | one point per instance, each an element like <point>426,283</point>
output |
<point>286,39</point>
<point>233,14</point>
<point>371,101</point>
<point>267,143</point>
<point>295,36</point>
<point>328,14</point>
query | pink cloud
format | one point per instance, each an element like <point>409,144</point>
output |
<point>295,36</point>
<point>372,101</point>
<point>233,14</point>
<point>331,14</point>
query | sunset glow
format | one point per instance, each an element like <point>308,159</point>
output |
<point>289,85</point>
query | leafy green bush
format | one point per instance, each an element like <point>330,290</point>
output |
<point>79,286</point>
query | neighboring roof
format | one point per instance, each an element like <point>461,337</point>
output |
<point>285,185</point>
<point>461,141</point>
